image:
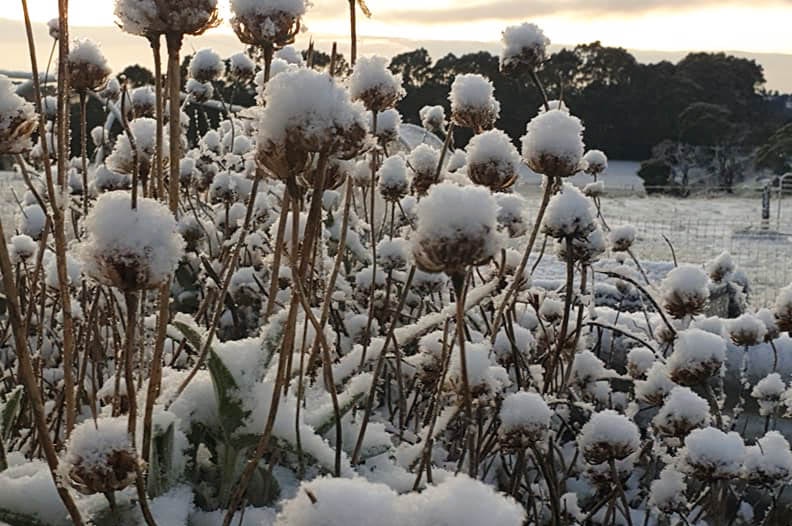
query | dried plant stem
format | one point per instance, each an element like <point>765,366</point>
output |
<point>277,254</point>
<point>458,281</point>
<point>28,377</point>
<point>518,275</point>
<point>557,357</point>
<point>353,31</point>
<point>84,149</point>
<point>174,41</point>
<point>157,182</point>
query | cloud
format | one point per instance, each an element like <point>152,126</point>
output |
<point>465,11</point>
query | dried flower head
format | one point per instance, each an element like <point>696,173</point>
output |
<point>88,68</point>
<point>608,436</point>
<point>524,48</point>
<point>433,118</point>
<point>267,22</point>
<point>423,162</point>
<point>525,420</point>
<point>473,104</point>
<point>206,66</point>
<point>492,160</point>
<point>374,84</point>
<point>456,229</point>
<point>553,144</point>
<point>148,18</point>
<point>393,181</point>
<point>783,309</point>
<point>698,356</point>
<point>18,120</point>
<point>100,459</point>
<point>685,291</point>
<point>130,249</point>
<point>622,237</point>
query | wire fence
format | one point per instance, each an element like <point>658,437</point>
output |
<point>763,254</point>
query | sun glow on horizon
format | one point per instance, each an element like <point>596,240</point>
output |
<point>752,29</point>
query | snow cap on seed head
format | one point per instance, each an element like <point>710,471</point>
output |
<point>553,144</point>
<point>473,104</point>
<point>524,48</point>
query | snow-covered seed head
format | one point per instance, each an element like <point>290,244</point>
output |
<point>307,112</point>
<point>393,181</point>
<point>621,238</point>
<point>111,91</point>
<point>639,361</point>
<point>53,27</point>
<point>710,454</point>
<point>130,249</point>
<point>720,268</point>
<point>393,254</point>
<point>423,162</point>
<point>192,232</point>
<point>88,69</point>
<point>596,162</point>
<point>525,420</point>
<point>511,214</point>
<point>685,291</point>
<point>433,118</point>
<point>485,378</point>
<point>242,68</point>
<point>608,436</point>
<point>388,123</point>
<point>595,189</point>
<point>587,249</point>
<point>267,22</point>
<point>697,357</point>
<point>569,214</point>
<point>122,159</point>
<point>336,173</point>
<point>768,318</point>
<point>17,120</point>
<point>100,459</point>
<point>667,493</point>
<point>492,160</point>
<point>524,48</point>
<point>553,144</point>
<point>783,309</point>
<point>456,229</point>
<point>769,462</point>
<point>21,248</point>
<point>768,392</point>
<point>199,91</point>
<point>747,330</point>
<point>682,412</point>
<point>206,66</point>
<point>142,102</point>
<point>473,104</point>
<point>374,84</point>
<point>149,18</point>
<point>656,387</point>
<point>107,180</point>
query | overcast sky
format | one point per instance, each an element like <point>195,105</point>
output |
<point>754,26</point>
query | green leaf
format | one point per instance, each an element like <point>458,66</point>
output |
<point>263,489</point>
<point>161,462</point>
<point>229,406</point>
<point>9,411</point>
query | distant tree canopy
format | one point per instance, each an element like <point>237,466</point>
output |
<point>627,107</point>
<point>137,76</point>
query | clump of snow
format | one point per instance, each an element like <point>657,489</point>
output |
<point>308,110</point>
<point>768,392</point>
<point>130,248</point>
<point>388,122</point>
<point>769,461</point>
<point>747,330</point>
<point>523,45</point>
<point>393,181</point>
<point>608,436</point>
<point>639,360</point>
<point>685,291</point>
<point>656,387</point>
<point>100,456</point>
<point>241,66</point>
<point>22,248</point>
<point>569,214</point>
<point>473,104</point>
<point>374,84</point>
<point>553,144</point>
<point>87,65</point>
<point>32,220</point>
<point>720,268</point>
<point>512,213</point>
<point>206,65</point>
<point>17,120</point>
<point>622,237</point>
<point>492,160</point>
<point>525,414</point>
<point>290,55</point>
<point>393,254</point>
<point>783,308</point>
<point>698,355</point>
<point>683,411</point>
<point>711,454</point>
<point>432,118</point>
<point>483,376</point>
<point>456,228</point>
<point>667,493</point>
<point>596,162</point>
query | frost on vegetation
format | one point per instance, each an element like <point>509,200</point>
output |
<point>553,144</point>
<point>473,104</point>
<point>569,214</point>
<point>711,454</point>
<point>697,356</point>
<point>524,45</point>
